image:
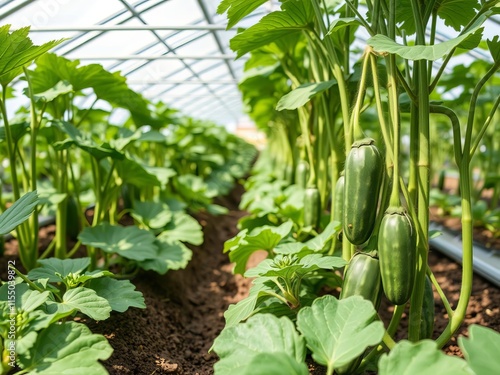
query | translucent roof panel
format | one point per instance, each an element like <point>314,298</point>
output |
<point>176,51</point>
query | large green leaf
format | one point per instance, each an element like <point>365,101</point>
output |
<point>19,212</point>
<point>237,9</point>
<point>494,47</point>
<point>88,302</point>
<point>302,94</point>
<point>108,86</point>
<point>384,44</point>
<point>55,269</point>
<point>183,228</point>
<point>336,331</point>
<point>68,348</point>
<point>319,242</point>
<point>481,349</point>
<point>295,16</point>
<point>268,237</point>
<point>155,215</point>
<point>163,174</point>
<point>17,131</point>
<point>60,88</point>
<point>275,364</point>
<point>423,357</point>
<point>85,142</point>
<point>120,294</point>
<point>457,13</point>
<point>245,308</point>
<point>172,255</point>
<point>129,242</point>
<point>134,173</point>
<point>263,238</point>
<point>17,50</point>
<point>287,267</point>
<point>27,299</point>
<point>237,346</point>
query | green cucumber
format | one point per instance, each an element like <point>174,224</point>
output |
<point>362,278</point>
<point>302,173</point>
<point>363,178</point>
<point>427,322</point>
<point>312,207</point>
<point>397,255</point>
<point>338,200</point>
<point>73,218</point>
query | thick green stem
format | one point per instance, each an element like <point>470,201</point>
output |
<point>423,181</point>
<point>355,128</point>
<point>483,129</point>
<point>337,72</point>
<point>466,198</point>
<point>455,124</point>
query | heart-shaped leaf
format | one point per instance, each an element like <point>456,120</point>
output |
<point>120,294</point>
<point>423,357</point>
<point>336,331</point>
<point>88,302</point>
<point>481,349</point>
<point>68,348</point>
<point>129,242</point>
<point>238,345</point>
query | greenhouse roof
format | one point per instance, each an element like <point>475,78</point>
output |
<point>176,51</point>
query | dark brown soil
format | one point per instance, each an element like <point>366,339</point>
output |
<point>185,308</point>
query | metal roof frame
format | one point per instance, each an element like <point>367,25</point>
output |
<point>220,99</point>
<point>131,18</point>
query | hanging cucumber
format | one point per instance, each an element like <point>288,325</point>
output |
<point>397,255</point>
<point>363,177</point>
<point>312,207</point>
<point>427,323</point>
<point>362,278</point>
<point>441,179</point>
<point>302,173</point>
<point>338,199</point>
<point>73,218</point>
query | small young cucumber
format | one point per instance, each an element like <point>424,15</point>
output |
<point>363,177</point>
<point>362,278</point>
<point>397,255</point>
<point>338,200</point>
<point>427,322</point>
<point>302,173</point>
<point>312,207</point>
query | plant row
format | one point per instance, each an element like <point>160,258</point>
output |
<point>363,104</point>
<point>122,194</point>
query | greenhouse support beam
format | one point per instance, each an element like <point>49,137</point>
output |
<point>103,22</point>
<point>209,19</point>
<point>170,52</point>
<point>107,28</point>
<point>182,82</point>
<point>158,57</point>
<point>15,9</point>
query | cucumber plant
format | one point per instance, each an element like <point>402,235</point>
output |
<point>337,111</point>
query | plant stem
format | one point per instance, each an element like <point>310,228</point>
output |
<point>355,128</point>
<point>423,182</point>
<point>465,192</point>
<point>484,128</point>
<point>455,124</point>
